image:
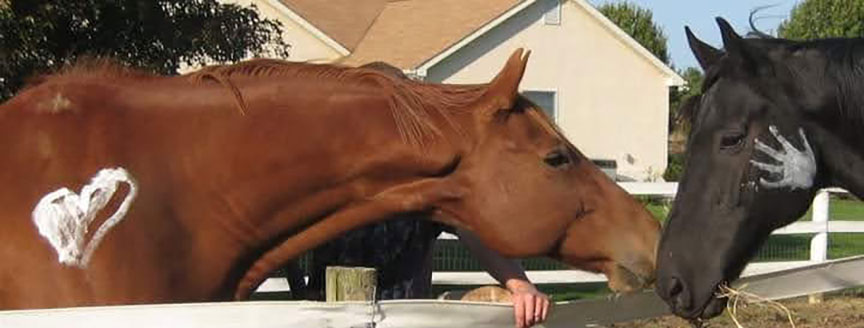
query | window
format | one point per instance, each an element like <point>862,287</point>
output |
<point>553,16</point>
<point>546,100</point>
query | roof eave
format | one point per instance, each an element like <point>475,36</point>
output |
<point>426,65</point>
<point>672,77</point>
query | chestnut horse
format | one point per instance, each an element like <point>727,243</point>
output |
<point>235,170</point>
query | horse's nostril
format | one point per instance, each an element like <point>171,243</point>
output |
<point>678,295</point>
<point>675,287</point>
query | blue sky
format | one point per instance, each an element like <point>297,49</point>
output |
<point>673,15</point>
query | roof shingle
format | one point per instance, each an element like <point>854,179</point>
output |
<point>409,32</point>
<point>403,33</point>
<point>345,21</point>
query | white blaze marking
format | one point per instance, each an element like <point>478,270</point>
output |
<point>63,217</point>
<point>797,168</point>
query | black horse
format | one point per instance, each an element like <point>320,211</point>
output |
<point>776,121</point>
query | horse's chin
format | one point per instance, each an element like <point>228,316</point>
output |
<point>714,308</point>
<point>625,280</point>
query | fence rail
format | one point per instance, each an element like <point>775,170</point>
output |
<point>820,227</point>
<point>597,312</point>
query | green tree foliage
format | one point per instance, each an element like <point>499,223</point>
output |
<point>639,24</point>
<point>674,167</point>
<point>817,19</point>
<point>38,36</point>
<point>693,78</point>
<point>693,86</point>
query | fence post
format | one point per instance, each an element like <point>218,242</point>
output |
<point>819,243</point>
<point>350,284</point>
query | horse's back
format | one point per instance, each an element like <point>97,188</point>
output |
<point>57,134</point>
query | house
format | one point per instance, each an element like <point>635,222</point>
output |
<point>607,93</point>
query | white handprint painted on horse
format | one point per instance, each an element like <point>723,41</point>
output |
<point>797,168</point>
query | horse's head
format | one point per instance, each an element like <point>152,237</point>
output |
<point>531,192</point>
<point>749,170</point>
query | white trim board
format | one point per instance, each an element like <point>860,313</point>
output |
<point>556,99</point>
<point>425,66</point>
<point>673,79</point>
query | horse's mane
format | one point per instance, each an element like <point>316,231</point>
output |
<point>416,106</point>
<point>86,66</point>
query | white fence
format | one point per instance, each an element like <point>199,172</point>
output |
<point>814,278</point>
<point>820,226</point>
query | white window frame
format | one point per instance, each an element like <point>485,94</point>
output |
<point>555,111</point>
<point>553,16</point>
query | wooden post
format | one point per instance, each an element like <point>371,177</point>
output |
<point>819,243</point>
<point>350,284</point>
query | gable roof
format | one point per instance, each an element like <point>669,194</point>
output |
<point>409,32</point>
<point>417,34</point>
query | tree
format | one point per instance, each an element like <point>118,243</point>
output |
<point>817,19</point>
<point>38,36</point>
<point>693,86</point>
<point>693,79</point>
<point>639,24</point>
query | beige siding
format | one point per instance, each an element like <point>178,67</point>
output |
<point>612,102</point>
<point>305,46</point>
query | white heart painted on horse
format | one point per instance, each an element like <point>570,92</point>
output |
<point>63,217</point>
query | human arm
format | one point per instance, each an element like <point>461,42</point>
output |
<point>530,306</point>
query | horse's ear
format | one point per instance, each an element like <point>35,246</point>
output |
<point>706,54</point>
<point>731,40</point>
<point>752,58</point>
<point>504,89</point>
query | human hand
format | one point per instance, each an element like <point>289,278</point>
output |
<point>530,306</point>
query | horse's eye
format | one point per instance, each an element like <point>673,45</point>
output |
<point>731,140</point>
<point>556,159</point>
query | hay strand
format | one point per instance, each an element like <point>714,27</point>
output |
<point>739,295</point>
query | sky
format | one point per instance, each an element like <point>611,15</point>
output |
<point>673,15</point>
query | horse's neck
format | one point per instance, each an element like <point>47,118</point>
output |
<point>842,158</point>
<point>296,157</point>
